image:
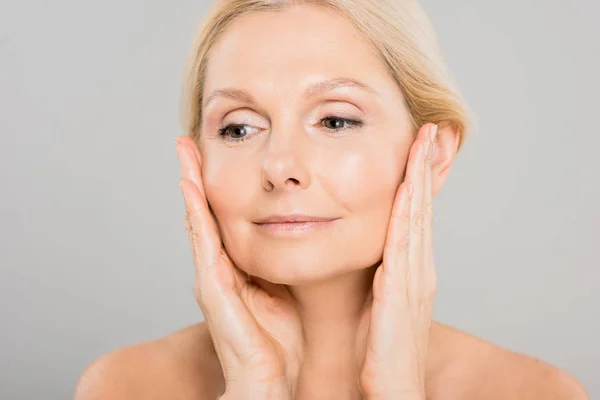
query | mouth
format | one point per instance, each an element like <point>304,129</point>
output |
<point>293,224</point>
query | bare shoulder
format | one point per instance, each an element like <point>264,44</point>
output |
<point>473,368</point>
<point>180,366</point>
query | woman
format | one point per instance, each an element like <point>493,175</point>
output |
<point>318,135</point>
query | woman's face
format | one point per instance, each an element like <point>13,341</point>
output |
<point>335,150</point>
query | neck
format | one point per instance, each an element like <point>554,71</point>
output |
<point>330,311</point>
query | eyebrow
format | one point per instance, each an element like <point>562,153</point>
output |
<point>311,91</point>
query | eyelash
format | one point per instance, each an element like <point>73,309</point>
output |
<point>351,123</point>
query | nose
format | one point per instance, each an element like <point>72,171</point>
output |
<point>284,164</point>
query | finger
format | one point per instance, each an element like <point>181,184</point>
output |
<point>396,255</point>
<point>273,290</point>
<point>429,268</point>
<point>203,238</point>
<point>426,268</point>
<point>190,162</point>
<point>417,219</point>
<point>192,143</point>
<point>190,167</point>
<point>397,238</point>
<point>389,283</point>
<point>202,233</point>
<point>195,163</point>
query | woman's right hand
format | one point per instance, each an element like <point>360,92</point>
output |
<point>254,325</point>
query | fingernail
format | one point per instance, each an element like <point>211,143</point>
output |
<point>433,133</point>
<point>410,189</point>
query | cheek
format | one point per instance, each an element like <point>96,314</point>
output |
<point>366,178</point>
<point>226,182</point>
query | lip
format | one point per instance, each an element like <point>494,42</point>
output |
<point>293,224</point>
<point>293,218</point>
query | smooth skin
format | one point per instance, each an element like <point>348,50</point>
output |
<point>340,313</point>
<point>258,332</point>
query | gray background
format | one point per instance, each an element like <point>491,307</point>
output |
<point>93,251</point>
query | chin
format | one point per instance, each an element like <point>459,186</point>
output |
<point>303,264</point>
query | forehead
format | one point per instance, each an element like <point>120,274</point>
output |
<point>288,49</point>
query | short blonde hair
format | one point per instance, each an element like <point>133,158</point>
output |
<point>399,31</point>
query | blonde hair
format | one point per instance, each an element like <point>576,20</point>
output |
<point>399,31</point>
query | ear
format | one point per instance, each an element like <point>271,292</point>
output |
<point>446,147</point>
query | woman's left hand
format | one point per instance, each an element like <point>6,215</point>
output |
<point>394,331</point>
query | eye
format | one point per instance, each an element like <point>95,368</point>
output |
<point>234,132</point>
<point>239,132</point>
<point>335,123</point>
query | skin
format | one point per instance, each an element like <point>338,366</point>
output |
<point>342,311</point>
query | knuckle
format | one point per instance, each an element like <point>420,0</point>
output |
<point>200,296</point>
<point>187,221</point>
<point>195,236</point>
<point>403,243</point>
<point>405,215</point>
<point>417,222</point>
<point>429,209</point>
<point>401,216</point>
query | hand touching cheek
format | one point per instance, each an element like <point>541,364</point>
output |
<point>394,331</point>
<point>254,326</point>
